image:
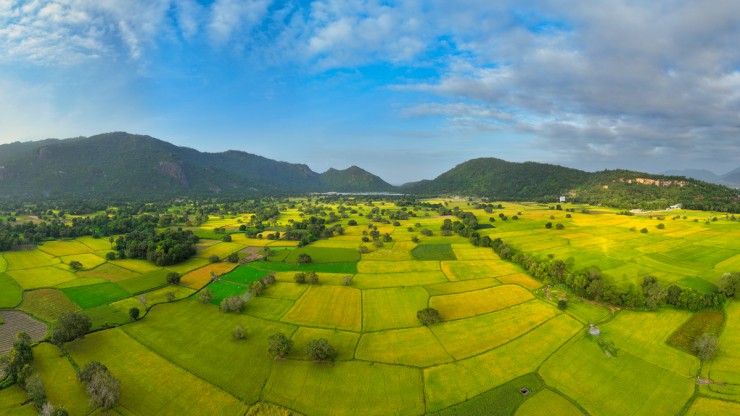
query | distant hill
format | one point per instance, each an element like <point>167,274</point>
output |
<point>123,165</point>
<point>732,177</point>
<point>354,179</point>
<point>501,180</point>
<point>700,174</point>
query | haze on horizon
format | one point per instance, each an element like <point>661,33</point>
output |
<point>405,89</point>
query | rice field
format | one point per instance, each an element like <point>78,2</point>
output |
<point>498,333</point>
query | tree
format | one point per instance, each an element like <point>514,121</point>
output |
<point>548,225</point>
<point>71,326</point>
<point>705,346</point>
<point>729,284</point>
<point>320,350</point>
<point>49,410</point>
<point>644,230</point>
<point>173,278</point>
<point>104,389</point>
<point>660,226</point>
<point>111,255</point>
<point>347,280</point>
<point>654,293</point>
<point>232,304</point>
<point>559,226</point>
<point>226,238</point>
<point>19,357</point>
<point>312,278</point>
<point>75,264</point>
<point>213,258</point>
<point>278,345</point>
<point>36,391</point>
<point>428,316</point>
<point>205,296</point>
<point>238,333</point>
<point>562,304</point>
<point>170,296</point>
<point>233,258</point>
<point>304,258</point>
<point>673,294</point>
<point>268,279</point>
<point>363,250</point>
<point>133,313</point>
<point>256,288</point>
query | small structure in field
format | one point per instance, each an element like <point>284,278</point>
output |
<point>562,199</point>
<point>593,330</point>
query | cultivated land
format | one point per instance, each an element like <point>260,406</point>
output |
<point>500,330</point>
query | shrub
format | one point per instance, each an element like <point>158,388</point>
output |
<point>320,350</point>
<point>347,280</point>
<point>268,279</point>
<point>256,288</point>
<point>133,313</point>
<point>75,264</point>
<point>278,345</point>
<point>559,226</point>
<point>103,388</point>
<point>233,258</point>
<point>660,226</point>
<point>111,255</point>
<point>562,304</point>
<point>304,258</point>
<point>173,278</point>
<point>644,230</point>
<point>226,238</point>
<point>36,391</point>
<point>170,296</point>
<point>238,333</point>
<point>428,316</point>
<point>232,304</point>
<point>205,296</point>
<point>705,346</point>
<point>548,225</point>
<point>312,278</point>
<point>213,258</point>
<point>300,278</point>
<point>363,250</point>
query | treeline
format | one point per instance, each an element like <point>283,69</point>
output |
<point>163,249</point>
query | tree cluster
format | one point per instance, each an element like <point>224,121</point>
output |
<point>163,249</point>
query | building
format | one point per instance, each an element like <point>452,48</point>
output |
<point>562,199</point>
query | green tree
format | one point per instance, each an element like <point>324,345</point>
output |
<point>347,280</point>
<point>71,325</point>
<point>110,256</point>
<point>705,346</point>
<point>256,288</point>
<point>213,258</point>
<point>548,225</point>
<point>312,278</point>
<point>104,389</point>
<point>428,316</point>
<point>205,296</point>
<point>320,350</point>
<point>562,304</point>
<point>75,264</point>
<point>233,258</point>
<point>729,284</point>
<point>173,278</point>
<point>232,304</point>
<point>239,333</point>
<point>300,277</point>
<point>304,258</point>
<point>36,391</point>
<point>20,356</point>
<point>278,345</point>
<point>226,238</point>
<point>133,313</point>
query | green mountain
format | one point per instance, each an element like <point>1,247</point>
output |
<point>122,165</point>
<point>501,180</point>
<point>354,179</point>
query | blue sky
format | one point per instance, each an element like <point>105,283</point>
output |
<point>405,89</point>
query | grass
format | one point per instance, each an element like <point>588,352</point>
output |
<point>502,400</point>
<point>520,279</point>
<point>381,280</point>
<point>64,248</point>
<point>272,309</point>
<point>478,302</point>
<point>47,304</point>
<point>274,266</point>
<point>702,322</point>
<point>47,276</point>
<point>221,250</point>
<point>397,266</point>
<point>149,383</point>
<point>324,255</point>
<point>188,265</point>
<point>449,288</point>
<point>704,406</point>
<point>95,295</point>
<point>60,379</point>
<point>410,346</point>
<point>328,307</point>
<point>144,282</point>
<point>477,269</point>
<point>13,402</point>
<point>467,337</point>
<point>434,252</point>
<point>139,266</point>
<point>547,402</point>
<point>726,365</point>
<point>622,385</point>
<point>283,290</point>
<point>345,387</point>
<point>10,293</point>
<point>201,277</point>
<point>449,384</point>
<point>392,308</point>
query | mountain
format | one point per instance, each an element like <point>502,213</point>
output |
<point>700,174</point>
<point>498,178</point>
<point>354,179</point>
<point>732,178</point>
<point>501,180</point>
<point>122,165</point>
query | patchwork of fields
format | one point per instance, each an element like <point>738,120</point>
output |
<point>500,331</point>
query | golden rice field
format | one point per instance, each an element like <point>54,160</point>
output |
<point>498,324</point>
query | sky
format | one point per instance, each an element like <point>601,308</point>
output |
<point>404,89</point>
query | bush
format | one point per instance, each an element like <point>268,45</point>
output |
<point>559,226</point>
<point>300,278</point>
<point>278,345</point>
<point>36,391</point>
<point>103,388</point>
<point>644,230</point>
<point>347,280</point>
<point>312,278</point>
<point>173,278</point>
<point>268,279</point>
<point>133,313</point>
<point>71,326</point>
<point>233,258</point>
<point>548,225</point>
<point>304,258</point>
<point>205,296</point>
<point>562,304</point>
<point>213,258</point>
<point>232,304</point>
<point>75,264</point>
<point>660,226</point>
<point>428,316</point>
<point>238,333</point>
<point>170,296</point>
<point>705,346</point>
<point>320,350</point>
<point>256,288</point>
<point>226,238</point>
<point>111,255</point>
